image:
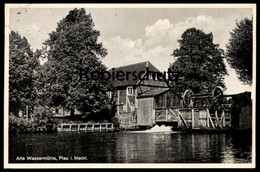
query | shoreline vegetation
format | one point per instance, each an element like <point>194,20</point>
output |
<point>50,124</point>
<point>22,125</point>
<point>43,120</point>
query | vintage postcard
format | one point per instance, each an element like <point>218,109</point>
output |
<point>130,86</point>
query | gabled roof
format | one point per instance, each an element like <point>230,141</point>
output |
<point>153,93</point>
<point>137,68</point>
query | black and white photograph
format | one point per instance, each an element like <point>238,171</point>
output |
<point>129,85</point>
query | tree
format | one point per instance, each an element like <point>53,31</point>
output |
<point>73,53</point>
<point>22,71</point>
<point>199,65</point>
<point>239,50</point>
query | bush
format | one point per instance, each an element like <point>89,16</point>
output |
<point>40,121</point>
<point>41,112</point>
<point>104,115</point>
<point>18,124</point>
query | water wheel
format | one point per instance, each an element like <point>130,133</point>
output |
<point>187,98</point>
<point>217,95</point>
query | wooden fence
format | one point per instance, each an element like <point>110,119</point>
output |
<point>195,118</point>
<point>91,127</point>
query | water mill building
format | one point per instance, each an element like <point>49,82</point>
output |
<point>144,98</point>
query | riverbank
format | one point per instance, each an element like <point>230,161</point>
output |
<point>21,125</point>
<point>53,124</point>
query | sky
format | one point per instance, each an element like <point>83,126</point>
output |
<point>136,34</point>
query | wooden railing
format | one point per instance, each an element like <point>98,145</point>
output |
<point>186,117</point>
<point>92,127</point>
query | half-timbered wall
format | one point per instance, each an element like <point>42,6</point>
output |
<point>125,103</point>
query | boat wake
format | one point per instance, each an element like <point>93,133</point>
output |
<point>156,129</point>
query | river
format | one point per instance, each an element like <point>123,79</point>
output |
<point>130,147</point>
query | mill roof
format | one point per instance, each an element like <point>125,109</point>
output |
<point>131,80</point>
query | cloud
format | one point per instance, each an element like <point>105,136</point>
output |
<point>165,33</point>
<point>158,33</point>
<point>125,51</point>
<point>156,45</point>
<point>122,51</point>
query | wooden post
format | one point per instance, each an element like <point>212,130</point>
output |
<point>61,127</point>
<point>153,116</point>
<point>126,103</point>
<point>208,118</point>
<point>100,125</point>
<point>224,119</point>
<point>118,103</point>
<point>78,127</point>
<point>221,120</point>
<point>192,119</point>
<point>217,123</point>
<point>184,121</point>
<point>166,116</point>
<point>179,118</point>
<point>70,127</point>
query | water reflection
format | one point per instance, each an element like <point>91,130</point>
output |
<point>134,147</point>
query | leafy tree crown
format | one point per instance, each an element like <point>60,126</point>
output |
<point>73,52</point>
<point>23,66</point>
<point>239,50</point>
<point>199,63</point>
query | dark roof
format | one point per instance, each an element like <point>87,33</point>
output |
<point>153,93</point>
<point>138,67</point>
